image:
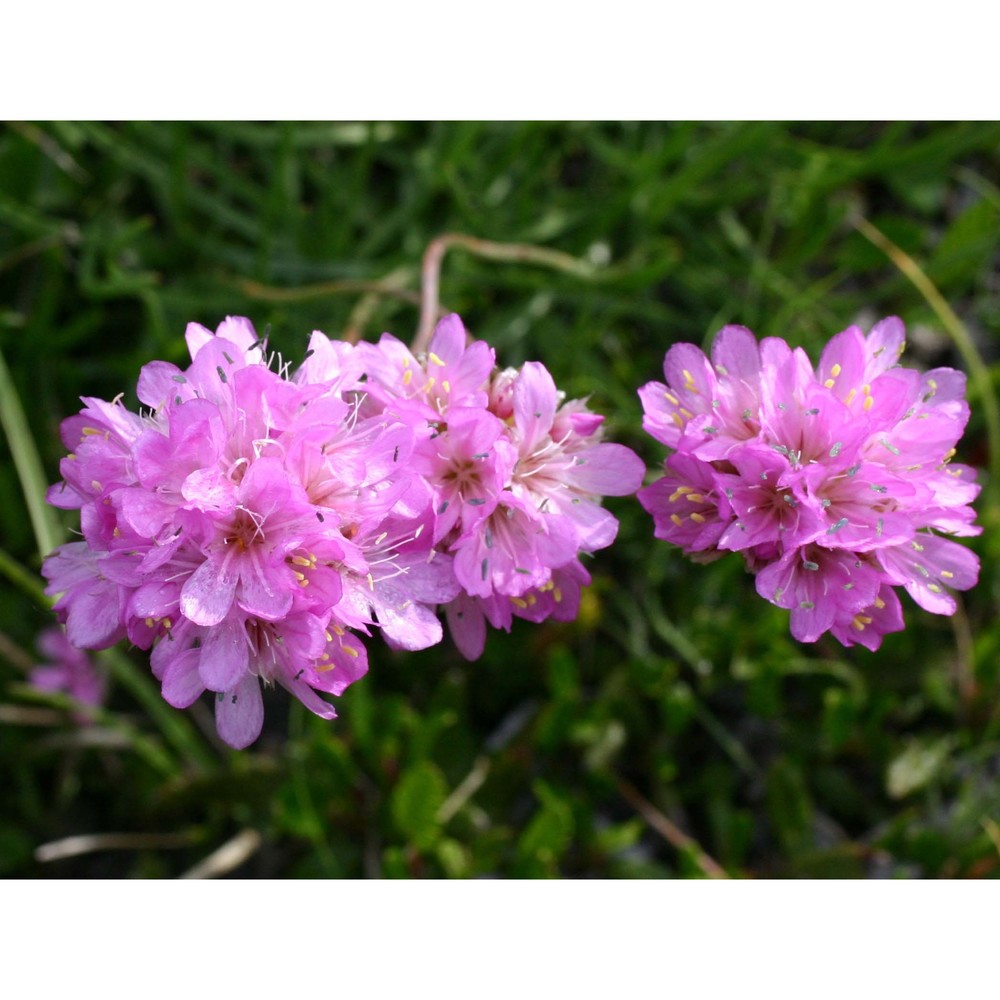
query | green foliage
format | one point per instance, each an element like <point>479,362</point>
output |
<point>773,758</point>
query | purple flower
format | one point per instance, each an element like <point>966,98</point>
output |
<point>232,527</point>
<point>515,473</point>
<point>67,670</point>
<point>836,484</point>
<point>252,528</point>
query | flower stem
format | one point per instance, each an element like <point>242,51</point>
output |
<point>24,579</point>
<point>518,253</point>
<point>669,830</point>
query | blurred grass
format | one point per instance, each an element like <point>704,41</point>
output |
<point>775,759</point>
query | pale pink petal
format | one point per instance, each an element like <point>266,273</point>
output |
<point>239,714</point>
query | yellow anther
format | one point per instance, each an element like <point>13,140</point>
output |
<point>446,385</point>
<point>671,398</point>
<point>950,455</point>
<point>350,650</point>
<point>435,359</point>
<point>879,603</point>
<point>407,377</point>
<point>679,492</point>
<point>546,587</point>
<point>677,519</point>
<point>688,379</point>
<point>557,595</point>
<point>299,576</point>
<point>696,498</point>
<point>850,396</point>
<point>337,630</point>
<point>687,413</point>
<point>836,370</point>
<point>116,533</point>
<point>430,384</point>
<point>869,403</point>
<point>947,574</point>
<point>859,622</point>
<point>71,456</point>
<point>167,623</point>
<point>678,420</point>
<point>828,384</point>
<point>371,582</point>
<point>88,431</point>
<point>95,485</point>
<point>913,468</point>
<point>866,389</point>
<point>934,587</point>
<point>150,622</point>
<point>917,546</point>
<point>518,603</point>
<point>532,600</point>
<point>329,637</point>
<point>302,561</point>
<point>932,384</point>
<point>698,518</point>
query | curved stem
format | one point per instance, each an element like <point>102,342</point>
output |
<point>517,253</point>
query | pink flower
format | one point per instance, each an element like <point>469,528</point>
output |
<point>252,528</point>
<point>836,485</point>
<point>67,670</point>
<point>232,526</point>
<point>516,475</point>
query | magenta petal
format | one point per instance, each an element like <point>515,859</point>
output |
<point>182,685</point>
<point>608,470</point>
<point>93,621</point>
<point>225,654</point>
<point>467,626</point>
<point>535,400</point>
<point>735,350</point>
<point>264,590</point>
<point>317,705</point>
<point>239,714</point>
<point>448,342</point>
<point>207,594</point>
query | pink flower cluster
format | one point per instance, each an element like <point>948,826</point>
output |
<point>251,527</point>
<point>67,670</point>
<point>835,484</point>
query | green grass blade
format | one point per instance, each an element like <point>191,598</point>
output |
<point>48,534</point>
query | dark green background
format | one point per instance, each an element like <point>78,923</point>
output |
<point>677,681</point>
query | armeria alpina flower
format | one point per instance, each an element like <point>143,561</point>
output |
<point>248,527</point>
<point>515,472</point>
<point>835,484</point>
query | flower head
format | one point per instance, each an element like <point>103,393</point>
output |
<point>232,525</point>
<point>835,483</point>
<point>515,474</point>
<point>252,528</point>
